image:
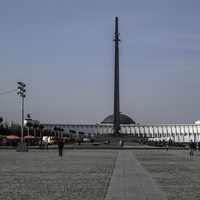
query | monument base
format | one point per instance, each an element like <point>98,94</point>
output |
<point>22,147</point>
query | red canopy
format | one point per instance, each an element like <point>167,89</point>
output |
<point>12,137</point>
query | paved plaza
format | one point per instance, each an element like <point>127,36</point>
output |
<point>99,175</point>
<point>42,175</point>
<point>175,172</point>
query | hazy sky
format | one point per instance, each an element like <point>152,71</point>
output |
<point>63,51</point>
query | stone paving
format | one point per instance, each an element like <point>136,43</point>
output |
<point>42,175</point>
<point>176,173</point>
<point>130,181</point>
<point>99,174</point>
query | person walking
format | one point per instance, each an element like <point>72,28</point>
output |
<point>192,148</point>
<point>60,146</point>
<point>199,145</point>
<point>46,142</point>
<point>167,145</point>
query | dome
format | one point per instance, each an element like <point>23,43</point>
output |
<point>124,119</point>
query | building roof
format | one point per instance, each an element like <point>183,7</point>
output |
<point>124,119</point>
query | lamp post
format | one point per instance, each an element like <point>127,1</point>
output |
<point>22,93</point>
<point>41,127</point>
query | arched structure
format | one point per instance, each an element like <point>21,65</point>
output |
<point>124,119</point>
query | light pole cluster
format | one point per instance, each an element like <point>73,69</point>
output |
<point>22,93</point>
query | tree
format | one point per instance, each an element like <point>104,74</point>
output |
<point>41,127</point>
<point>62,132</point>
<point>36,124</point>
<point>1,120</point>
<point>29,125</point>
<point>1,125</point>
<point>55,131</point>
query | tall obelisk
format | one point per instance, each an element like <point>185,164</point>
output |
<point>116,123</point>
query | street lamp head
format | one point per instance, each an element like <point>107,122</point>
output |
<point>20,88</point>
<point>21,84</point>
<point>29,115</point>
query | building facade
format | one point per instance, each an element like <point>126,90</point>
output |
<point>175,132</point>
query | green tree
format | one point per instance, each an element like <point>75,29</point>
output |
<point>1,125</point>
<point>29,125</point>
<point>1,120</point>
<point>35,127</point>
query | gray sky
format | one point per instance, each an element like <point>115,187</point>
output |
<point>63,51</point>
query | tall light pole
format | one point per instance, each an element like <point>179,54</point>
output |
<point>22,93</point>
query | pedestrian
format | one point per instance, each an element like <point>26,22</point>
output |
<point>167,146</point>
<point>46,142</point>
<point>60,146</point>
<point>192,147</point>
<point>79,141</point>
<point>199,145</point>
<point>121,143</point>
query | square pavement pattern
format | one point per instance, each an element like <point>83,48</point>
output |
<point>42,175</point>
<point>99,175</point>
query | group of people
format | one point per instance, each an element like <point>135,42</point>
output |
<point>193,146</point>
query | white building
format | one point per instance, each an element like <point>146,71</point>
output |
<point>155,132</point>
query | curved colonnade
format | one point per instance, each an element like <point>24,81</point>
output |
<point>175,132</point>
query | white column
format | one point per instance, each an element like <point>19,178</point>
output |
<point>164,130</point>
<point>190,133</point>
<point>178,132</point>
<point>132,130</point>
<point>137,131</point>
<point>186,130</point>
<point>146,131</point>
<point>183,133</point>
<point>195,133</point>
<point>169,131</point>
<point>198,132</point>
<point>160,132</point>
<point>155,130</point>
<point>142,131</point>
<point>173,133</point>
<point>151,131</point>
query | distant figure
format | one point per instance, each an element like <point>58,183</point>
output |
<point>170,141</point>
<point>167,146</point>
<point>60,146</point>
<point>121,143</point>
<point>107,142</point>
<point>199,146</point>
<point>46,142</point>
<point>192,148</point>
<point>79,141</point>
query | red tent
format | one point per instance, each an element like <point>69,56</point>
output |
<point>12,137</point>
